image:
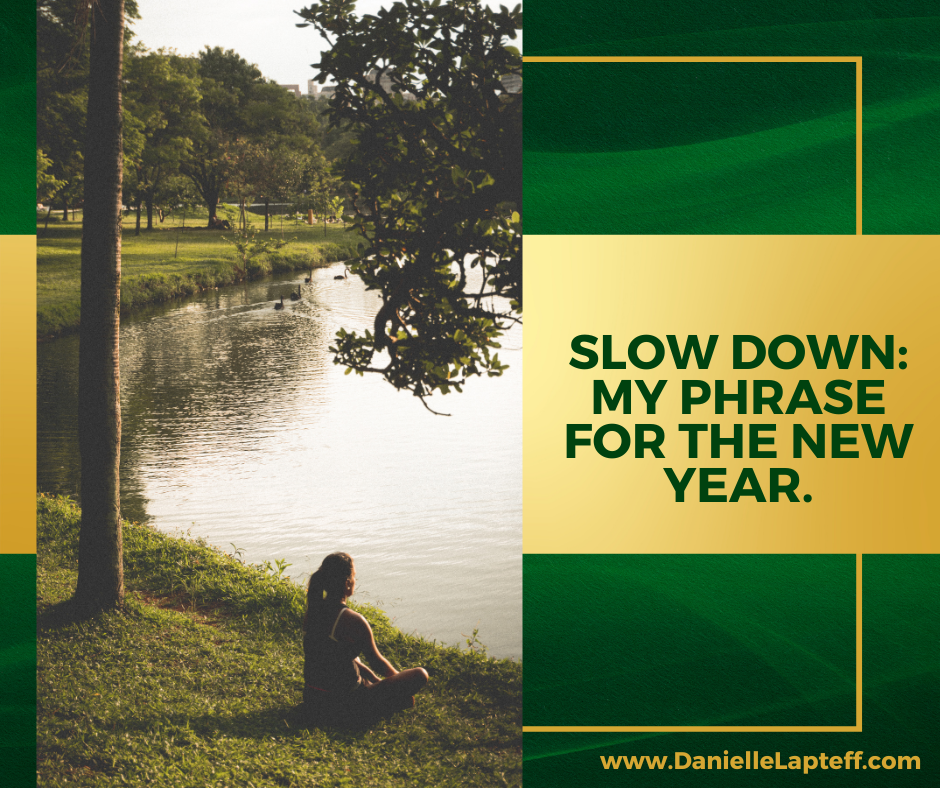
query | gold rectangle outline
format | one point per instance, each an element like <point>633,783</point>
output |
<point>767,59</point>
<point>857,728</point>
<point>12,377</point>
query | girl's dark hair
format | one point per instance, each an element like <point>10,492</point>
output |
<point>329,581</point>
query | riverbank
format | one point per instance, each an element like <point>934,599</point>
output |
<point>171,261</point>
<point>196,683</point>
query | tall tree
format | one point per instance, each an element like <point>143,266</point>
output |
<point>227,80</point>
<point>242,108</point>
<point>285,132</point>
<point>437,182</point>
<point>277,170</point>
<point>100,563</point>
<point>162,94</point>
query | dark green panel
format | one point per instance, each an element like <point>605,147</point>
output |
<point>689,640</point>
<point>899,42</point>
<point>586,107</point>
<point>18,670</point>
<point>901,697</point>
<point>18,119</point>
<point>671,148</point>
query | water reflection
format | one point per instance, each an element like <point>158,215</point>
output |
<point>238,427</point>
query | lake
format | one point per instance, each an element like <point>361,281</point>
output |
<point>238,428</point>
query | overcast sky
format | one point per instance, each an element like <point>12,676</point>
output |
<point>261,31</point>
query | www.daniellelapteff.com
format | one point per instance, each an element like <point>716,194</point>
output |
<point>752,759</point>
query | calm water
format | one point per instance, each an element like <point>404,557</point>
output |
<point>238,428</point>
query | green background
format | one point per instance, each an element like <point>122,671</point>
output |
<point>18,668</point>
<point>689,639</point>
<point>18,119</point>
<point>901,705</point>
<point>899,42</point>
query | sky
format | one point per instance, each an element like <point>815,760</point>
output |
<point>261,31</point>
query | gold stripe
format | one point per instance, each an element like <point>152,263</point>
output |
<point>18,394</point>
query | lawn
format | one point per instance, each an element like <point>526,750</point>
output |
<point>197,681</point>
<point>171,261</point>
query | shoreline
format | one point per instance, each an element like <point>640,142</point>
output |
<point>151,275</point>
<point>204,667</point>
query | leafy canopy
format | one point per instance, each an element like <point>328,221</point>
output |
<point>161,100</point>
<point>436,181</point>
<point>241,107</point>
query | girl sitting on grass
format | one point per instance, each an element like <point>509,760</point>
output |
<point>338,688</point>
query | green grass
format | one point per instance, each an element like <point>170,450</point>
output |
<point>196,682</point>
<point>154,270</point>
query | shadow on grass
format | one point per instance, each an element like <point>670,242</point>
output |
<point>62,614</point>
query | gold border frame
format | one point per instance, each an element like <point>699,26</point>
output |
<point>858,558</point>
<point>19,420</point>
<point>720,59</point>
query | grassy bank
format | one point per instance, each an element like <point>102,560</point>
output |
<point>170,261</point>
<point>196,682</point>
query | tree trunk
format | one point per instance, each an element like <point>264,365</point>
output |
<point>267,212</point>
<point>100,560</point>
<point>149,213</point>
<point>212,203</point>
<point>137,229</point>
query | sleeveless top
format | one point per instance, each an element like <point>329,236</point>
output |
<point>329,664</point>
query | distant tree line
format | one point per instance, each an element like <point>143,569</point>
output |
<point>197,129</point>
